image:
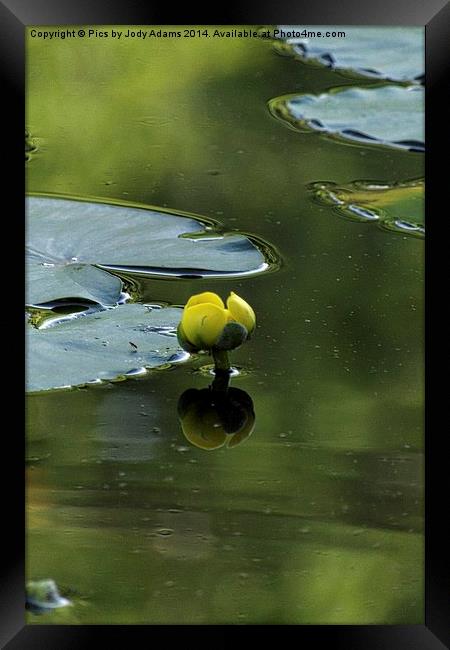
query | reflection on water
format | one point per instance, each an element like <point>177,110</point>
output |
<point>325,499</point>
<point>216,416</point>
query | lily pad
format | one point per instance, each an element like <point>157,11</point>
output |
<point>384,115</point>
<point>69,234</point>
<point>394,53</point>
<point>101,346</point>
<point>399,207</point>
<point>43,595</point>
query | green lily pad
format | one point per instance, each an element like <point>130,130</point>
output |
<point>101,346</point>
<point>384,115</point>
<point>394,53</point>
<point>399,207</point>
<point>43,595</point>
<point>69,234</point>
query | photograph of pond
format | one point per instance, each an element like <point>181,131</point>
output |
<point>224,319</point>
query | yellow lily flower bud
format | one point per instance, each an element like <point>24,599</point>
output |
<point>206,296</point>
<point>206,324</point>
<point>241,312</point>
<point>203,324</point>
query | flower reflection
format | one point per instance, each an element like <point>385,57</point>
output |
<point>216,416</point>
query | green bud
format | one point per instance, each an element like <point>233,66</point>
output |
<point>232,336</point>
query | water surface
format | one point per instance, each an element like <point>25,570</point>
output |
<point>317,517</point>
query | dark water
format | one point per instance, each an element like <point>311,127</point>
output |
<point>317,517</point>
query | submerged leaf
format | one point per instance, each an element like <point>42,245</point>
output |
<point>30,146</point>
<point>399,207</point>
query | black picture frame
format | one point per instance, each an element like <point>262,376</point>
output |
<point>15,16</point>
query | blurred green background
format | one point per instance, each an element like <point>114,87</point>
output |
<point>318,516</point>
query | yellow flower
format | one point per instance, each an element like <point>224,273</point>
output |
<point>241,312</point>
<point>207,324</point>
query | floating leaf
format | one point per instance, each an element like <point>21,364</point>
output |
<point>64,233</point>
<point>394,53</point>
<point>397,207</point>
<point>386,115</point>
<point>43,595</point>
<point>101,345</point>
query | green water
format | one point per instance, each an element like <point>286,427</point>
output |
<point>317,517</point>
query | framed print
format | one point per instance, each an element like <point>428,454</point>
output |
<point>225,323</point>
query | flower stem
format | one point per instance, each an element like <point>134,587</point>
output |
<point>221,361</point>
<point>221,381</point>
